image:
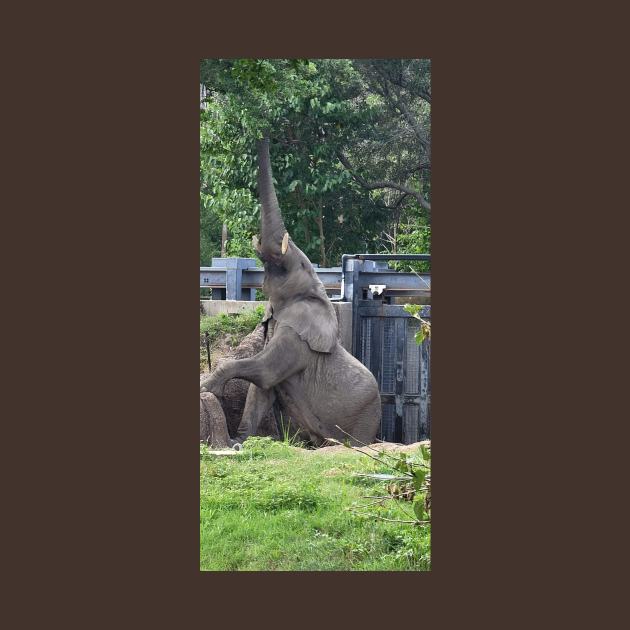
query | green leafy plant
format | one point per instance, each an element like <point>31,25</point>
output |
<point>351,161</point>
<point>277,507</point>
<point>232,328</point>
<point>290,435</point>
<point>410,482</point>
<point>258,447</point>
<point>424,332</point>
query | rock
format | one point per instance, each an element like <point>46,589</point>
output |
<point>212,425</point>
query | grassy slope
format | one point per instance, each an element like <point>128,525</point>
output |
<point>229,328</point>
<point>276,507</point>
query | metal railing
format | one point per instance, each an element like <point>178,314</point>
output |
<point>238,278</point>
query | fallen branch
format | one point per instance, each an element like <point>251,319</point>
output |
<point>391,520</point>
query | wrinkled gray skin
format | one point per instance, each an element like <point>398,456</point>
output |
<point>317,382</point>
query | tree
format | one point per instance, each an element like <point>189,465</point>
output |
<point>351,157</point>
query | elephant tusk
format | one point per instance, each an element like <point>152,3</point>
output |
<point>255,242</point>
<point>285,243</point>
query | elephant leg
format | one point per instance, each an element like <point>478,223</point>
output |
<point>212,425</point>
<point>283,356</point>
<point>258,403</point>
<point>309,424</point>
<point>362,426</point>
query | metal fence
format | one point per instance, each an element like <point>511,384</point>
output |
<point>238,278</point>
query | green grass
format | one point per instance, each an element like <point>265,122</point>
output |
<point>277,507</point>
<point>232,328</point>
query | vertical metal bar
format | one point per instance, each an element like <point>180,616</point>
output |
<point>377,358</point>
<point>233,277</point>
<point>230,284</point>
<point>399,335</point>
<point>376,363</point>
<point>427,388</point>
<point>424,390</point>
<point>356,296</point>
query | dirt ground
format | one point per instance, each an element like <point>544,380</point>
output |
<point>221,350</point>
<point>389,447</point>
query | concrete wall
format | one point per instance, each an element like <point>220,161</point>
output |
<point>214,307</point>
<point>343,310</point>
<point>344,316</point>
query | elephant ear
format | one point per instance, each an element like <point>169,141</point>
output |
<point>313,320</point>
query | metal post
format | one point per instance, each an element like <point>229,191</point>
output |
<point>208,348</point>
<point>357,266</point>
<point>233,278</point>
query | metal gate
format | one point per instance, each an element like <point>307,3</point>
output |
<point>384,342</point>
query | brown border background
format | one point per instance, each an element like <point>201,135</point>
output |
<point>107,505</point>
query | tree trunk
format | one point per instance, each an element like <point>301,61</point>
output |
<point>397,213</point>
<point>224,235</point>
<point>322,250</point>
<point>305,218</point>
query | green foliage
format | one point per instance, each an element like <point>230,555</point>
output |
<point>257,447</point>
<point>277,507</point>
<point>414,237</point>
<point>238,324</point>
<point>315,111</point>
<point>229,328</point>
<point>411,482</point>
<point>425,326</point>
<point>290,434</point>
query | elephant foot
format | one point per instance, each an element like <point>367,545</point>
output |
<point>213,385</point>
<point>216,391</point>
<point>235,444</point>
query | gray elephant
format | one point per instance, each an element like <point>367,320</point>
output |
<point>303,365</point>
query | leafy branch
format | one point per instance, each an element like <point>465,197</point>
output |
<point>424,332</point>
<point>416,486</point>
<point>382,184</point>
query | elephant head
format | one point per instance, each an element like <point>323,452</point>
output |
<point>296,295</point>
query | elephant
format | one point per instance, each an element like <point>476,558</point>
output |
<point>302,365</point>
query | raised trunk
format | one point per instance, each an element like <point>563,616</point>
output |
<point>271,225</point>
